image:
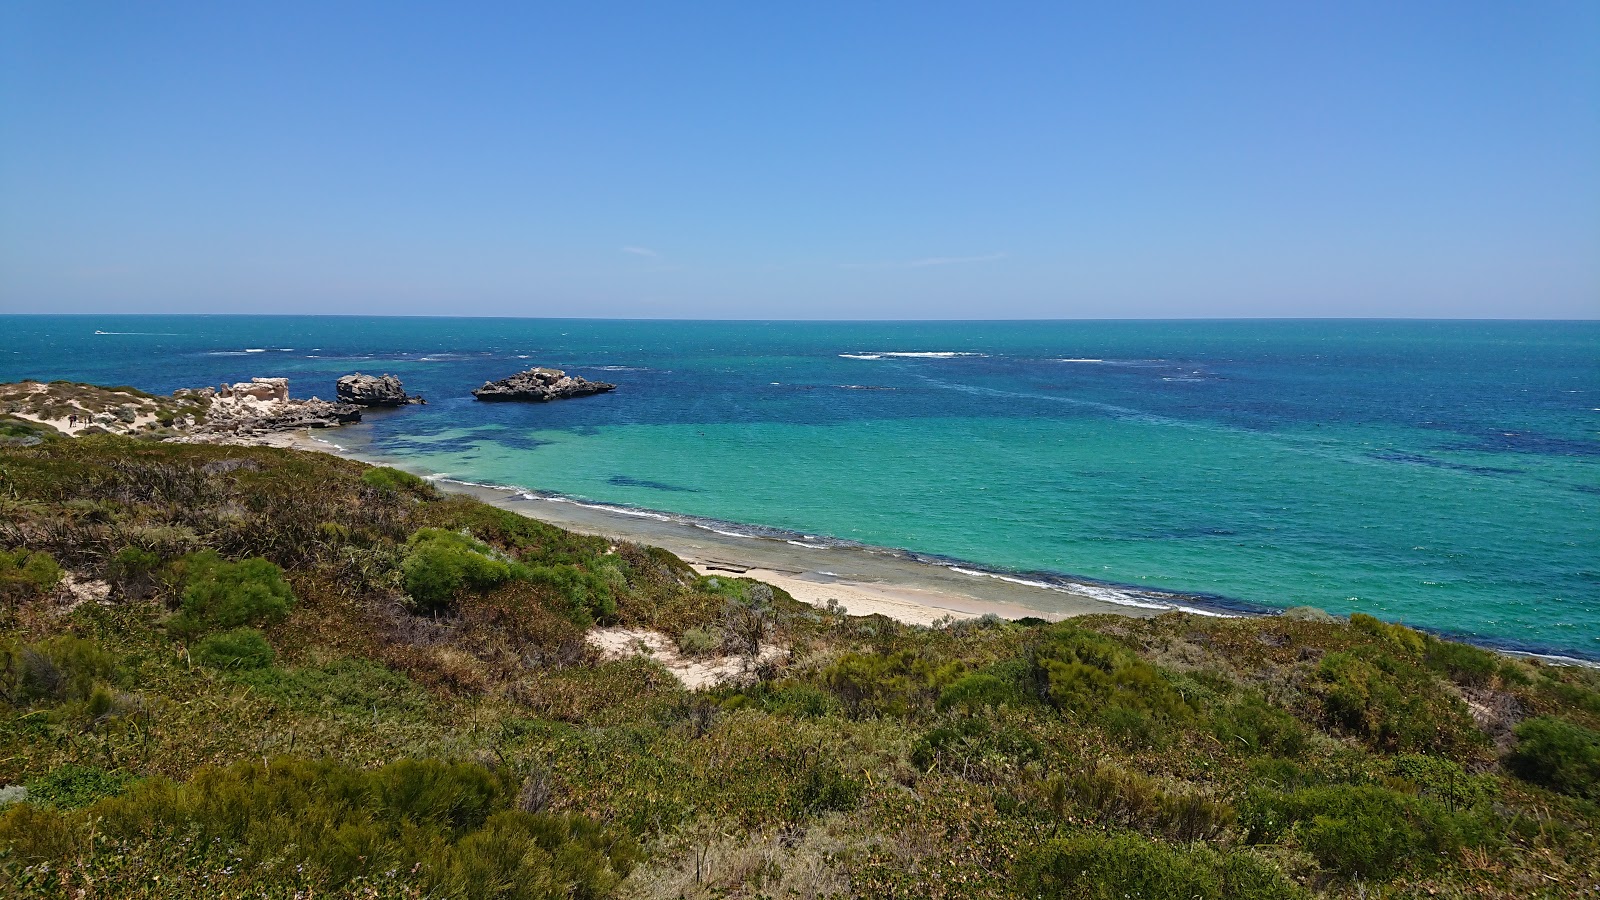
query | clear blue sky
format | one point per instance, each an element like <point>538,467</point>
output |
<point>767,160</point>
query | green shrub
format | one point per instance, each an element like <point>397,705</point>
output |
<point>1559,755</point>
<point>1392,703</point>
<point>440,564</point>
<point>72,786</point>
<point>888,684</point>
<point>1365,830</point>
<point>974,746</point>
<point>699,642</point>
<point>390,479</point>
<point>975,691</point>
<point>222,594</point>
<point>586,596</point>
<point>1463,663</point>
<point>132,564</point>
<point>241,648</point>
<point>342,688</point>
<point>1116,867</point>
<point>823,787</point>
<point>1253,726</point>
<point>26,573</point>
<point>1442,779</point>
<point>1395,635</point>
<point>1095,678</point>
<point>444,829</point>
<point>61,669</point>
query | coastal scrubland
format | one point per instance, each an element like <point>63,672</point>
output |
<point>231,671</point>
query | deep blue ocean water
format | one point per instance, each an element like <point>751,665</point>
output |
<point>1443,474</point>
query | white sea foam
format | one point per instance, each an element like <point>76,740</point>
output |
<point>1205,612</point>
<point>1081,360</point>
<point>1112,595</point>
<point>1094,591</point>
<point>737,534</point>
<point>806,545</point>
<point>619,510</point>
<point>930,354</point>
<point>861,355</point>
<point>255,349</point>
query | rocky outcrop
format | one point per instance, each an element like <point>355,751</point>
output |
<point>539,385</point>
<point>253,409</point>
<point>264,389</point>
<point>374,390</point>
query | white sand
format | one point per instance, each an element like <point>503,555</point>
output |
<point>694,673</point>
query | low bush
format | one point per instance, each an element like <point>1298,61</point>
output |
<point>823,787</point>
<point>61,669</point>
<point>584,596</point>
<point>133,566</point>
<point>386,478</point>
<point>976,691</point>
<point>1252,726</point>
<point>1442,779</point>
<point>72,786</point>
<point>26,574</point>
<point>1396,636</point>
<point>1559,755</point>
<point>241,648</point>
<point>439,564</point>
<point>1365,831</point>
<point>447,826</point>
<point>1118,866</point>
<point>975,748</point>
<point>1117,798</point>
<point>1461,663</point>
<point>1094,678</point>
<point>888,684</point>
<point>1393,704</point>
<point>219,594</point>
<point>699,642</point>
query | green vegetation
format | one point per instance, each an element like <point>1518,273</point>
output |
<point>309,679</point>
<point>1558,754</point>
<point>445,829</point>
<point>241,648</point>
<point>386,478</point>
<point>23,574</point>
<point>441,564</point>
<point>219,594</point>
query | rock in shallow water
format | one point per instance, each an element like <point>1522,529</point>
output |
<point>374,390</point>
<point>539,385</point>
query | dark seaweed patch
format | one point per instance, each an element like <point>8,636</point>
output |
<point>1530,442</point>
<point>1418,459</point>
<point>626,481</point>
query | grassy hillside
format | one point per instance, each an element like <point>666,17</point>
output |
<point>249,672</point>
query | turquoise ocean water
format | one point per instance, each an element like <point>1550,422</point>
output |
<point>1439,473</point>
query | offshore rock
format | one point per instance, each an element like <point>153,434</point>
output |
<point>374,390</point>
<point>540,385</point>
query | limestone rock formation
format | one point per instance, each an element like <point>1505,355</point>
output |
<point>266,390</point>
<point>254,408</point>
<point>540,385</point>
<point>374,390</point>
